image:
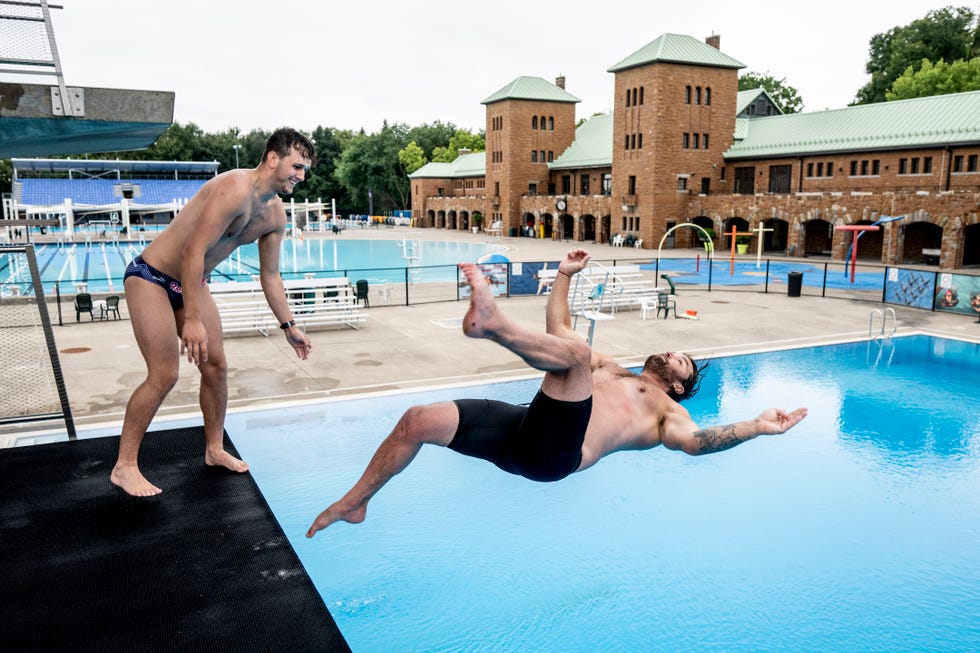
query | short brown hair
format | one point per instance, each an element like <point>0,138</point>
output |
<point>284,139</point>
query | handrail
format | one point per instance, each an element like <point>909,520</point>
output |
<point>883,317</point>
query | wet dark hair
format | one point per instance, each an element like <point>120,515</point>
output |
<point>693,382</point>
<point>284,139</point>
<point>690,385</point>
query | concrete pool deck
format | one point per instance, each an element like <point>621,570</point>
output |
<point>419,346</point>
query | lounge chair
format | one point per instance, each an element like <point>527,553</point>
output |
<point>362,292</point>
<point>83,304</point>
<point>111,307</point>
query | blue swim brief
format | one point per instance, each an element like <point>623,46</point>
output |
<point>143,270</point>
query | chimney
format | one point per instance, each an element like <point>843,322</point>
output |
<point>714,41</point>
<point>560,81</point>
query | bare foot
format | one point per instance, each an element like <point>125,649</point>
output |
<point>132,482</point>
<point>336,513</point>
<point>222,458</point>
<point>481,319</point>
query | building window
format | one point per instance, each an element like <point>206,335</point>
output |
<point>639,141</point>
<point>534,122</point>
<point>687,95</point>
<point>927,165</point>
<point>534,156</point>
<point>903,166</point>
<point>704,141</point>
<point>551,123</point>
<point>633,141</point>
<point>551,156</point>
<point>830,168</point>
<point>707,99</point>
<point>566,185</point>
<point>958,163</point>
<point>697,141</point>
<point>744,180</point>
<point>864,168</point>
<point>607,184</point>
<point>626,145</point>
<point>584,184</point>
<point>809,169</point>
<point>915,165</point>
<point>641,95</point>
<point>532,189</point>
<point>723,169</point>
<point>780,179</point>
<point>682,182</point>
<point>971,165</point>
<point>854,168</point>
<point>628,96</point>
<point>875,167</point>
<point>632,185</point>
<point>685,141</point>
<point>542,156</point>
<point>697,95</point>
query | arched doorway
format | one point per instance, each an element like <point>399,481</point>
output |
<point>817,238</point>
<point>870,243</point>
<point>971,245</point>
<point>777,239</point>
<point>741,225</point>
<point>919,236</point>
<point>566,227</point>
<point>588,228</point>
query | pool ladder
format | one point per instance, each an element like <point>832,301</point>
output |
<point>876,338</point>
<point>883,321</point>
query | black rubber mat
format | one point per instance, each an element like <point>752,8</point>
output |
<point>202,567</point>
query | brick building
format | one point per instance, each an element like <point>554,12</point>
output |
<point>684,147</point>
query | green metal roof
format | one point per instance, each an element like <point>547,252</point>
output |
<point>920,122</point>
<point>465,165</point>
<point>531,88</point>
<point>592,147</point>
<point>677,48</point>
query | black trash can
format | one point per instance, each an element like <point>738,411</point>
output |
<point>795,284</point>
<point>513,232</point>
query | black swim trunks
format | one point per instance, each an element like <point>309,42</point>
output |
<point>541,442</point>
<point>143,270</point>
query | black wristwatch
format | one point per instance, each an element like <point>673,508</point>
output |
<point>286,325</point>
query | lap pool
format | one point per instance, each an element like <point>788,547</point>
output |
<point>857,530</point>
<point>99,267</point>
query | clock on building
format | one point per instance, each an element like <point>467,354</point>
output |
<point>561,204</point>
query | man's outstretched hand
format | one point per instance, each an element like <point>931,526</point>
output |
<point>575,261</point>
<point>776,420</point>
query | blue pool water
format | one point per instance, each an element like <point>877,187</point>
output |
<point>101,265</point>
<point>855,531</point>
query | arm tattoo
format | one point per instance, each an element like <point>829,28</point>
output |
<point>717,438</point>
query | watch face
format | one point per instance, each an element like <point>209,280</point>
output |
<point>561,205</point>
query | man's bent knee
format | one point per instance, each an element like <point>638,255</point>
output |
<point>428,424</point>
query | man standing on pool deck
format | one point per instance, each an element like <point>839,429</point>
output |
<point>169,301</point>
<point>588,406</point>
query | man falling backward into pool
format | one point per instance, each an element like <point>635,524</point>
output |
<point>588,406</point>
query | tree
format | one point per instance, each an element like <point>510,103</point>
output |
<point>430,136</point>
<point>461,140</point>
<point>785,96</point>
<point>936,79</point>
<point>412,157</point>
<point>948,34</point>
<point>371,163</point>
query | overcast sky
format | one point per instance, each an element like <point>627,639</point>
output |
<point>354,64</point>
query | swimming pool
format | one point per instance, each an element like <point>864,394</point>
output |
<point>856,530</point>
<point>99,267</point>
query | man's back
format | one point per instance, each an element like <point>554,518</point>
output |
<point>228,199</point>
